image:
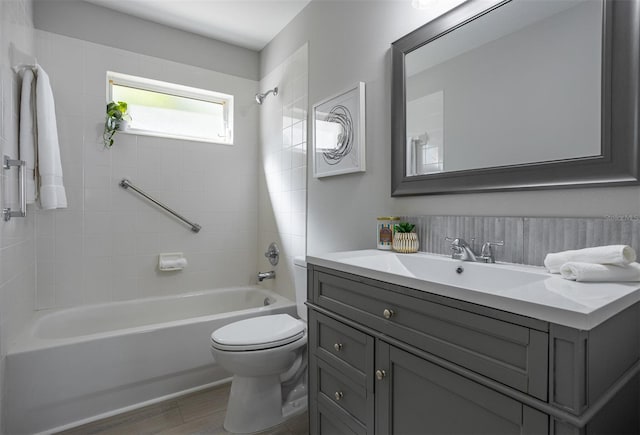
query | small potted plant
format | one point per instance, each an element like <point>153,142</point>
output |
<point>405,239</point>
<point>117,119</point>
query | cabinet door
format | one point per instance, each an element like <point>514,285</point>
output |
<point>418,397</point>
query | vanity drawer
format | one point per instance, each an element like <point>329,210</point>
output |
<point>330,419</point>
<point>506,352</point>
<point>341,345</point>
<point>339,389</point>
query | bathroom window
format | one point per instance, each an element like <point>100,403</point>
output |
<point>169,110</point>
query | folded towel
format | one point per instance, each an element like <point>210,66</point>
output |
<point>28,131</point>
<point>613,254</point>
<point>577,271</point>
<point>51,190</point>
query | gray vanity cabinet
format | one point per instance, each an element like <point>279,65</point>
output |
<point>419,397</point>
<point>386,359</point>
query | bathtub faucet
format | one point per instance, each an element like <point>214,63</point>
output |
<point>266,275</point>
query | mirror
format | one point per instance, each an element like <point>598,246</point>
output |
<point>517,94</point>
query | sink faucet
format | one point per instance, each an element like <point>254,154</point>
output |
<point>487,252</point>
<point>266,275</point>
<point>461,250</point>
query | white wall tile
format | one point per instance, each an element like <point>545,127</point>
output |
<point>282,191</point>
<point>68,248</point>
<point>114,234</point>
<point>45,252</point>
<point>98,199</point>
<point>17,237</point>
<point>98,246</point>
<point>45,280</point>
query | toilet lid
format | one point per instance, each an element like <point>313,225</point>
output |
<point>258,333</point>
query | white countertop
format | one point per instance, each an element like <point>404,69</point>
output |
<point>526,290</point>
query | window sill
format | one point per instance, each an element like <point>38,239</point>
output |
<point>173,136</point>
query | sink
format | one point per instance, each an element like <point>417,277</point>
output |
<point>487,278</point>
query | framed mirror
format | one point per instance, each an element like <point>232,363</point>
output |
<point>517,94</point>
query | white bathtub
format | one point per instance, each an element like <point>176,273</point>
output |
<point>76,365</point>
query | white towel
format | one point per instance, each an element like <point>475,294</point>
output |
<point>612,254</point>
<point>28,132</point>
<point>51,190</point>
<point>577,271</point>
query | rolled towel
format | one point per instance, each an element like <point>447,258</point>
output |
<point>612,254</point>
<point>577,271</point>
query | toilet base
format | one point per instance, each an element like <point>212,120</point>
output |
<point>255,404</point>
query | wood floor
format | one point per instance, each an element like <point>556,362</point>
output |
<point>198,413</point>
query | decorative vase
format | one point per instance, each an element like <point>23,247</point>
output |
<point>405,242</point>
<point>122,125</point>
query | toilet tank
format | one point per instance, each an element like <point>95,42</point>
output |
<point>300,283</point>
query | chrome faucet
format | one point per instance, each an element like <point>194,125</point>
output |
<point>487,253</point>
<point>461,250</point>
<point>266,275</point>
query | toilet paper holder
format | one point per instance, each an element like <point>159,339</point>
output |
<point>171,261</point>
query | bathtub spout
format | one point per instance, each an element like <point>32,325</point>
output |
<point>266,275</point>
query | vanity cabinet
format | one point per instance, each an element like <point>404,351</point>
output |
<point>386,359</point>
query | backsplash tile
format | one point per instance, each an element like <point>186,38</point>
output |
<point>543,235</point>
<point>526,240</point>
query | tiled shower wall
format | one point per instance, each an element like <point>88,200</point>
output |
<point>526,240</point>
<point>283,168</point>
<point>17,245</point>
<point>105,245</point>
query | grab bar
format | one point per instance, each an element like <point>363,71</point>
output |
<point>8,163</point>
<point>125,184</point>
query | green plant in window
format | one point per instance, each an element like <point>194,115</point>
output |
<point>404,227</point>
<point>116,120</point>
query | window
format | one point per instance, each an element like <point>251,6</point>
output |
<point>169,110</point>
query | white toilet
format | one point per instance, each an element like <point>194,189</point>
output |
<point>267,356</point>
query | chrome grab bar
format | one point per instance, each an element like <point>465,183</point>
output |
<point>8,163</point>
<point>125,184</point>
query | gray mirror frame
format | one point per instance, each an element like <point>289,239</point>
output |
<point>617,165</point>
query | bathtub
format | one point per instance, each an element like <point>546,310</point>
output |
<point>76,365</point>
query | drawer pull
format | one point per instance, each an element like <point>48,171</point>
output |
<point>338,396</point>
<point>387,313</point>
<point>337,347</point>
<point>380,374</point>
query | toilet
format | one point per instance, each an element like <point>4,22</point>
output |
<point>267,356</point>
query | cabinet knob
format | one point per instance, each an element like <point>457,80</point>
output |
<point>337,347</point>
<point>380,374</point>
<point>338,395</point>
<point>387,313</point>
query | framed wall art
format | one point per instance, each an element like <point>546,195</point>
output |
<point>338,133</point>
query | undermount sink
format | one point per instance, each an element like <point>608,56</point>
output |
<point>487,278</point>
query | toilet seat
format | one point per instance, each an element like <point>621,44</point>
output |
<point>258,333</point>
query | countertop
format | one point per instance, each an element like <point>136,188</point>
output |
<point>539,295</point>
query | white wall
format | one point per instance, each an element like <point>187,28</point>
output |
<point>89,22</point>
<point>17,248</point>
<point>104,247</point>
<point>283,168</point>
<point>349,42</point>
